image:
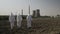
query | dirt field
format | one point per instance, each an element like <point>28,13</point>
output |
<point>39,26</point>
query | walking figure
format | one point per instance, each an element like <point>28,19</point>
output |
<point>19,20</point>
<point>11,20</point>
<point>29,20</point>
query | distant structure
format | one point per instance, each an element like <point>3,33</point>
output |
<point>36,13</point>
<point>29,9</point>
<point>58,16</point>
<point>22,12</point>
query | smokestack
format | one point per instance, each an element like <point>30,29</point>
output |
<point>29,9</point>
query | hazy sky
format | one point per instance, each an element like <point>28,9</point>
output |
<point>47,7</point>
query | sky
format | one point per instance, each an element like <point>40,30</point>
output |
<point>46,7</point>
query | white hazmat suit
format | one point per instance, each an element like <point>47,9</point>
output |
<point>19,20</point>
<point>29,19</point>
<point>12,20</point>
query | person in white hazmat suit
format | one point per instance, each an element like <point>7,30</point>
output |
<point>19,20</point>
<point>29,20</point>
<point>11,20</point>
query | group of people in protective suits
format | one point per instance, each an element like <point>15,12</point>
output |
<point>19,20</point>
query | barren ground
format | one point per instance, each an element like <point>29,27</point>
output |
<point>39,26</point>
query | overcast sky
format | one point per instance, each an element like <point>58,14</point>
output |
<point>47,7</point>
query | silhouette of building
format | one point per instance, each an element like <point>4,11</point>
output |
<point>33,13</point>
<point>36,13</point>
